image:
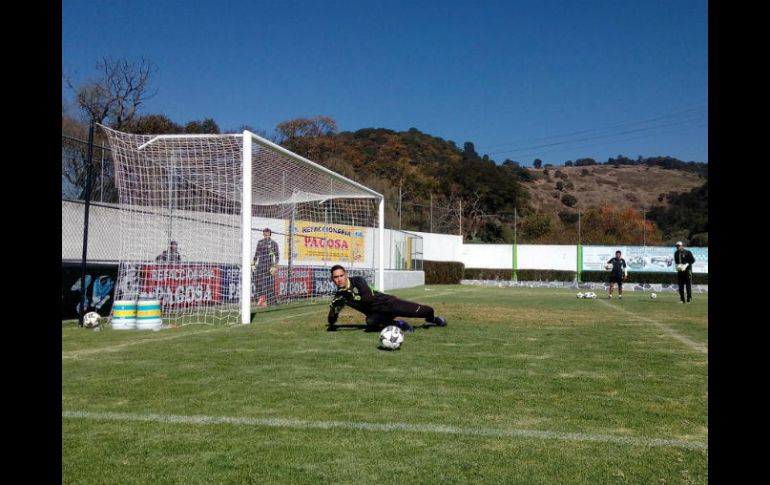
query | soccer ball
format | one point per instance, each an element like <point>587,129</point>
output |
<point>608,266</point>
<point>391,337</point>
<point>681,267</point>
<point>653,295</point>
<point>580,295</point>
<point>91,320</point>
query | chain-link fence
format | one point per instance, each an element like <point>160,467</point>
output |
<point>74,155</point>
<point>103,239</point>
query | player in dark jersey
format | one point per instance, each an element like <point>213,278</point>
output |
<point>380,308</point>
<point>684,260</point>
<point>618,273</point>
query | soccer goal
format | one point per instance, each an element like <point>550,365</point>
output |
<point>195,231</point>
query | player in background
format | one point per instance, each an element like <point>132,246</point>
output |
<point>684,257</point>
<point>618,273</point>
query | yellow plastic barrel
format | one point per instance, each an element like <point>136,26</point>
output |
<point>124,315</point>
<point>148,314</point>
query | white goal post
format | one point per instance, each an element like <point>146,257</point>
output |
<point>276,231</point>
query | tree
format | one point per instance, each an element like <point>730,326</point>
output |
<point>115,97</point>
<point>206,126</point>
<point>536,226</point>
<point>469,150</point>
<point>687,212</point>
<point>153,124</point>
<point>305,127</point>
<point>607,225</point>
<point>537,163</point>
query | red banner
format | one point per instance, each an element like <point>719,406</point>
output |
<point>300,285</point>
<point>183,284</point>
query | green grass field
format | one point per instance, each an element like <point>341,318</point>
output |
<point>523,386</point>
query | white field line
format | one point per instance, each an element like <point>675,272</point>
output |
<point>433,295</point>
<point>76,354</point>
<point>406,427</point>
<point>665,329</point>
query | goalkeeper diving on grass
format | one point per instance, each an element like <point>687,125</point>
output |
<point>380,309</point>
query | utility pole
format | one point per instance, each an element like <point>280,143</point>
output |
<point>578,227</point>
<point>461,217</point>
<point>431,212</point>
<point>399,205</point>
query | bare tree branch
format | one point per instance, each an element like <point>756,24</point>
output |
<point>116,96</point>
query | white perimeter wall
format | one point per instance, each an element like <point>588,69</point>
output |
<point>440,247</point>
<point>531,256</point>
<point>104,245</point>
<point>491,256</point>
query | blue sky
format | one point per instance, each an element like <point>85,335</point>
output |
<point>555,80</point>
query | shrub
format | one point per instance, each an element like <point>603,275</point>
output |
<point>443,272</point>
<point>568,217</point>
<point>569,200</point>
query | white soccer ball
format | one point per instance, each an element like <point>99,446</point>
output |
<point>391,337</point>
<point>91,320</point>
<point>653,295</point>
<point>608,266</point>
<point>580,295</point>
<point>590,294</point>
<point>681,267</point>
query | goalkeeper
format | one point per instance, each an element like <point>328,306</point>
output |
<point>684,261</point>
<point>265,266</point>
<point>618,273</point>
<point>380,309</point>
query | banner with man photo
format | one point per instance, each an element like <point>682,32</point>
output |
<point>314,242</point>
<point>642,259</point>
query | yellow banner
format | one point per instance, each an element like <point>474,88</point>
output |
<point>326,242</point>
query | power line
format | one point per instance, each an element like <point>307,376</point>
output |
<point>692,118</point>
<point>622,138</point>
<point>687,112</point>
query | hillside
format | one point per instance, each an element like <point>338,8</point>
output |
<point>624,186</point>
<point>432,184</point>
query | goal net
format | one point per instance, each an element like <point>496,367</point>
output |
<point>195,231</point>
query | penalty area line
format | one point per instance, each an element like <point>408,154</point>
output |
<point>668,331</point>
<point>406,427</point>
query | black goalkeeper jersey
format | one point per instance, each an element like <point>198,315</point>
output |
<point>362,297</point>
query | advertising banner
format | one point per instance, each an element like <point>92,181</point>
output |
<point>642,259</point>
<point>299,285</point>
<point>316,242</point>
<point>323,284</point>
<point>182,284</point>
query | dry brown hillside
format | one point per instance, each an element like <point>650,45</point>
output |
<point>596,185</point>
